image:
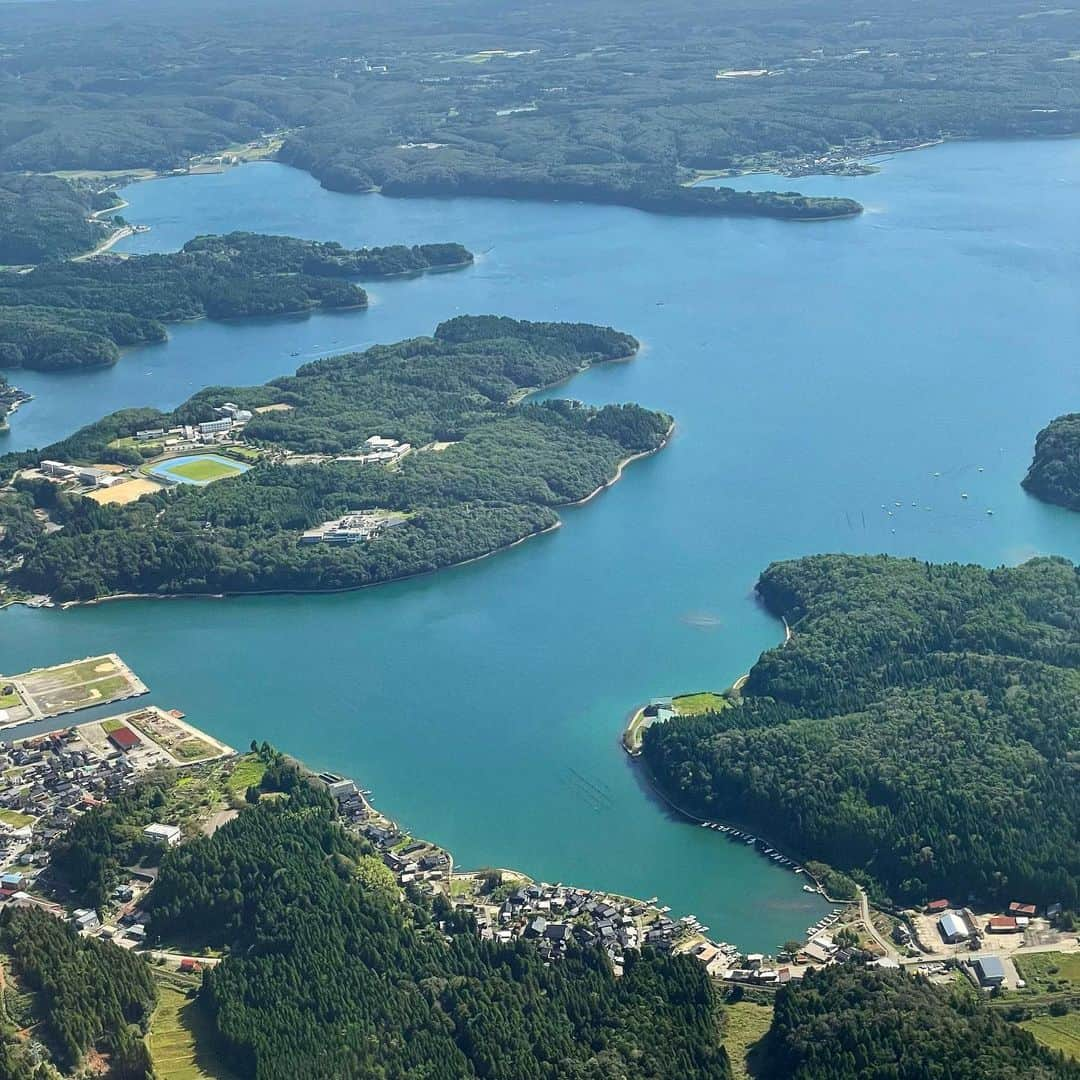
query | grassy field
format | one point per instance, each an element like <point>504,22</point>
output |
<point>249,770</point>
<point>178,1040</point>
<point>248,454</point>
<point>1058,1032</point>
<point>1050,972</point>
<point>15,819</point>
<point>10,701</point>
<point>192,749</point>
<point>745,1023</point>
<point>698,704</point>
<point>204,470</point>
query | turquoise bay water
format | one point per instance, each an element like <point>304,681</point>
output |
<point>818,373</point>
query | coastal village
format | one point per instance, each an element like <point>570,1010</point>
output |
<point>49,780</point>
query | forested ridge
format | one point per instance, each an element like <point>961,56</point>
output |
<point>849,1023</point>
<point>327,976</point>
<point>920,730</point>
<point>92,995</point>
<point>44,217</point>
<point>68,315</point>
<point>1054,475</point>
<point>591,100</point>
<point>505,468</point>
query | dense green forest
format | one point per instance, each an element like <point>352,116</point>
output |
<point>327,976</point>
<point>849,1023</point>
<point>1055,470</point>
<point>90,857</point>
<point>92,995</point>
<point>77,314</point>
<point>921,730</point>
<point>595,100</point>
<point>44,217</point>
<point>504,471</point>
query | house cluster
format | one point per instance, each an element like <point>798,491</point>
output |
<point>45,785</point>
<point>379,450</point>
<point>355,527</point>
<point>556,917</point>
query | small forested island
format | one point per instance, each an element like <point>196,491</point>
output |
<point>1054,475</point>
<point>70,315</point>
<point>44,217</point>
<point>367,467</point>
<point>919,730</point>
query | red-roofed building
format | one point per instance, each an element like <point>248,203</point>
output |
<point>937,905</point>
<point>1002,924</point>
<point>187,964</point>
<point>1022,909</point>
<point>123,738</point>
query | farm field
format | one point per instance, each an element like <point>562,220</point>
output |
<point>1058,1032</point>
<point>698,704</point>
<point>174,1040</point>
<point>745,1024</point>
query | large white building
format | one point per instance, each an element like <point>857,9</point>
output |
<point>167,835</point>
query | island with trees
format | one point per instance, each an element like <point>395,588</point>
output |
<point>475,469</point>
<point>599,100</point>
<point>69,315</point>
<point>1054,475</point>
<point>919,730</point>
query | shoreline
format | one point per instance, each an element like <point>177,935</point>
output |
<point>557,524</point>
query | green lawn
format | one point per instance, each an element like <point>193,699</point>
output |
<point>192,749</point>
<point>745,1023</point>
<point>10,701</point>
<point>205,470</point>
<point>179,1039</point>
<point>109,726</point>
<point>1058,1032</point>
<point>698,704</point>
<point>15,819</point>
<point>249,770</point>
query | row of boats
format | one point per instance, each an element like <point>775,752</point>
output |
<point>752,841</point>
<point>823,924</point>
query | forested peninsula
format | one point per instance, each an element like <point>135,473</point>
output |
<point>45,217</point>
<point>919,730</point>
<point>482,472</point>
<point>596,100</point>
<point>1054,475</point>
<point>70,315</point>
